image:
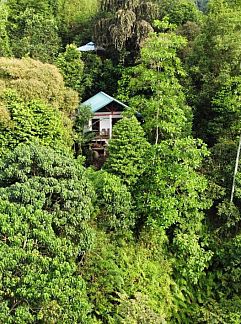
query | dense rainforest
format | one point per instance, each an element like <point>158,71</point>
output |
<point>154,235</point>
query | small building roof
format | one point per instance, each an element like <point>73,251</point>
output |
<point>101,100</point>
<point>89,47</point>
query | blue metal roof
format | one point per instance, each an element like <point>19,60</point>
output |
<point>100,100</point>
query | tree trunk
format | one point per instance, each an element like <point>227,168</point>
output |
<point>235,169</point>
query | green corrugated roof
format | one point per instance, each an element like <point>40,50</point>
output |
<point>100,100</point>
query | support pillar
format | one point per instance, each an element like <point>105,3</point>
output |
<point>110,125</point>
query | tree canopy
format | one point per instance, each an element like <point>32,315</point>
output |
<point>43,229</point>
<point>153,234</point>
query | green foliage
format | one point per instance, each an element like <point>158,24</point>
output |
<point>129,282</point>
<point>224,129</point>
<point>35,80</point>
<point>91,77</point>
<point>5,49</point>
<point>71,67</point>
<point>42,6</point>
<point>45,206</point>
<point>82,136</point>
<point>59,185</point>
<point>138,310</point>
<point>84,115</point>
<point>74,19</point>
<point>171,191</point>
<point>35,35</point>
<point>229,256</point>
<point>220,168</point>
<point>179,11</point>
<point>171,195</point>
<point>35,104</point>
<point>152,87</point>
<point>160,254</point>
<point>34,120</point>
<point>226,311</point>
<point>217,46</point>
<point>221,94</point>
<point>214,60</point>
<point>191,256</point>
<point>68,19</point>
<point>100,74</point>
<point>127,150</point>
<point>226,111</point>
<point>224,307</point>
<point>114,202</point>
<point>77,11</point>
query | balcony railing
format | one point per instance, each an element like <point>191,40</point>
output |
<point>104,133</point>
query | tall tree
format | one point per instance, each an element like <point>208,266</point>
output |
<point>124,25</point>
<point>153,88</point>
<point>214,67</point>
<point>215,58</point>
<point>45,207</point>
<point>171,195</point>
<point>71,67</point>
<point>126,150</point>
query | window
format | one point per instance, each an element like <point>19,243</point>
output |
<point>96,125</point>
